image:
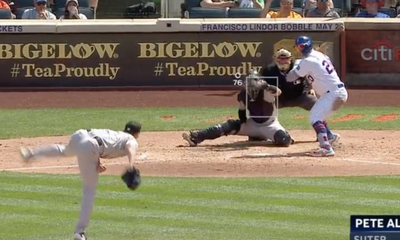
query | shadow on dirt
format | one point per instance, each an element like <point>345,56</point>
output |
<point>273,155</point>
<point>241,145</point>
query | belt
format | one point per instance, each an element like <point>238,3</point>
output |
<point>338,86</point>
<point>98,139</point>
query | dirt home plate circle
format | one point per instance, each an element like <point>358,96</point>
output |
<point>162,156</point>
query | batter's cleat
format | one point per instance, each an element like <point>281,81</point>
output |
<point>26,154</point>
<point>334,139</point>
<point>80,236</point>
<point>323,152</point>
<point>188,137</point>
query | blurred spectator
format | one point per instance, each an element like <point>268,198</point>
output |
<point>218,4</point>
<point>93,5</point>
<point>285,11</point>
<point>39,12</point>
<point>395,4</point>
<point>312,4</point>
<point>372,9</point>
<point>323,10</point>
<point>390,3</point>
<point>72,10</point>
<point>251,3</point>
<point>5,5</point>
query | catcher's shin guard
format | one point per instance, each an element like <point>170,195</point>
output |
<point>229,127</point>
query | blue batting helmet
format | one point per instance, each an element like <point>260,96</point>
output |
<point>304,44</point>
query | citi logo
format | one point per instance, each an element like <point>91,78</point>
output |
<point>380,51</point>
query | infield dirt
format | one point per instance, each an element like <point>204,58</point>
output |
<point>359,153</point>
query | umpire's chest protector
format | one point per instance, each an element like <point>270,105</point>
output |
<point>290,90</point>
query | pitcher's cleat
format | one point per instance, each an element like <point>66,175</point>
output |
<point>80,236</point>
<point>26,154</point>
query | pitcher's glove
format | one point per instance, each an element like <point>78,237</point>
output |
<point>131,178</point>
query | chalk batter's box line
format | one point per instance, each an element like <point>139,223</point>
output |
<point>277,99</point>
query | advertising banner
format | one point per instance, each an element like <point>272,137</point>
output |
<point>373,58</point>
<point>139,59</point>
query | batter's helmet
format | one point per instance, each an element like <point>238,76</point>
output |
<point>304,44</point>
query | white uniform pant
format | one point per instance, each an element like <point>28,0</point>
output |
<point>324,107</point>
<point>264,130</point>
<point>87,150</point>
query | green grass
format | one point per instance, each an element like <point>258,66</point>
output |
<point>40,206</point>
<point>36,206</point>
<point>47,122</point>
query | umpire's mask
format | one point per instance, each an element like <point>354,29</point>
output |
<point>283,59</point>
<point>251,91</point>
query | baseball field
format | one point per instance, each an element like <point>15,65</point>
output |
<point>223,189</point>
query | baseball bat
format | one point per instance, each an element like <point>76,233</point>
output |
<point>324,46</point>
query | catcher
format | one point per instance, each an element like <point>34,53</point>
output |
<point>263,122</point>
<point>89,145</point>
<point>294,94</point>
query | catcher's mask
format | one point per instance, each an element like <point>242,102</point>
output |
<point>251,91</point>
<point>283,59</point>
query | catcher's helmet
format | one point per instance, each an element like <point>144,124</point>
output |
<point>132,127</point>
<point>304,44</point>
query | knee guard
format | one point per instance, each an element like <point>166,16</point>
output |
<point>282,138</point>
<point>230,127</point>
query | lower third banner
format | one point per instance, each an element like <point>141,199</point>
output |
<point>374,227</point>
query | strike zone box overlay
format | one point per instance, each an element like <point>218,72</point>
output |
<point>276,111</point>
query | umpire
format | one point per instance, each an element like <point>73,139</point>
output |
<point>294,94</point>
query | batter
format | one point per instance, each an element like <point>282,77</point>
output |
<point>320,72</point>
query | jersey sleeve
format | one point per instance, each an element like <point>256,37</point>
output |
<point>296,63</point>
<point>265,71</point>
<point>133,142</point>
<point>241,97</point>
<point>269,72</point>
<point>302,69</point>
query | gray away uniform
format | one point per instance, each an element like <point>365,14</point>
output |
<point>263,124</point>
<point>89,146</point>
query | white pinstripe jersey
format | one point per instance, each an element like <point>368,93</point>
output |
<point>320,72</point>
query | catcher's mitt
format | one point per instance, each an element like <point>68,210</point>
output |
<point>131,178</point>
